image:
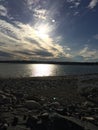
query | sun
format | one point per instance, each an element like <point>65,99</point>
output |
<point>42,31</point>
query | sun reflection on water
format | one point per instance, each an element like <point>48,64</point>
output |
<point>42,70</point>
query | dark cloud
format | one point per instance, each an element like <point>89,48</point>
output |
<point>54,49</point>
<point>6,19</point>
<point>26,52</point>
<point>43,53</point>
<point>35,53</point>
<point>2,44</point>
<point>31,40</point>
<point>9,33</point>
<point>5,54</point>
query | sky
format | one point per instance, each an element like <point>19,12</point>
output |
<point>50,30</point>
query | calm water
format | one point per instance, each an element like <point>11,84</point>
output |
<point>33,70</point>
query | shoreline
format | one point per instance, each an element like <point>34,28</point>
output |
<point>63,87</point>
<point>54,77</point>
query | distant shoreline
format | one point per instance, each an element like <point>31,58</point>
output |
<point>51,62</point>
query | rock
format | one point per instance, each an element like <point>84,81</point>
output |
<point>31,122</point>
<point>7,100</point>
<point>44,116</point>
<point>55,105</point>
<point>88,104</point>
<point>15,121</point>
<point>2,97</point>
<point>65,123</point>
<point>31,104</point>
<point>14,99</point>
<point>1,92</point>
<point>4,100</point>
<point>87,118</point>
<point>19,95</point>
<point>62,111</point>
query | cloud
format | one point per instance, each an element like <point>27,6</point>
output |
<point>88,53</point>
<point>32,2</point>
<point>25,53</point>
<point>3,11</point>
<point>26,42</point>
<point>44,53</point>
<point>32,41</point>
<point>74,3</point>
<point>25,30</point>
<point>40,14</point>
<point>77,3</point>
<point>76,13</point>
<point>96,37</point>
<point>68,49</point>
<point>70,1</point>
<point>92,4</point>
<point>5,54</point>
<point>85,54</point>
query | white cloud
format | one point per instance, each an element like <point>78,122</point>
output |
<point>76,13</point>
<point>75,3</point>
<point>26,39</point>
<point>96,36</point>
<point>88,53</point>
<point>92,4</point>
<point>68,49</point>
<point>71,1</point>
<point>40,13</point>
<point>3,11</point>
<point>32,2</point>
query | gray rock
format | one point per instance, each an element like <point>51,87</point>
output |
<point>31,104</point>
<point>55,105</point>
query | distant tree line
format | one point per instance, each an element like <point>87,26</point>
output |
<point>50,62</point>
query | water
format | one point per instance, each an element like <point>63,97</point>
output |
<point>34,70</point>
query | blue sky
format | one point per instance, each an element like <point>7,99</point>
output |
<point>58,30</point>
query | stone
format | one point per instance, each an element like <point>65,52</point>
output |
<point>31,104</point>
<point>65,123</point>
<point>55,105</point>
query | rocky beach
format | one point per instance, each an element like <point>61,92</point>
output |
<point>49,103</point>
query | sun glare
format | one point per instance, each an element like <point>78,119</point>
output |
<point>42,69</point>
<point>42,31</point>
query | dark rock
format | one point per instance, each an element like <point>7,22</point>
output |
<point>31,104</point>
<point>64,123</point>
<point>31,122</point>
<point>55,105</point>
<point>15,121</point>
<point>44,116</point>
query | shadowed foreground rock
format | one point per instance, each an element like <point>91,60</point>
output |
<point>53,122</point>
<point>63,123</point>
<point>31,104</point>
